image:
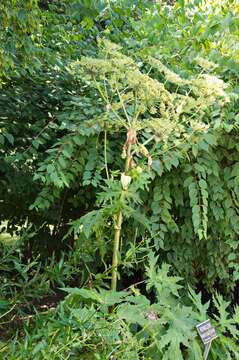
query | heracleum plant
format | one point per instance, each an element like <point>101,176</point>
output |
<point>150,114</point>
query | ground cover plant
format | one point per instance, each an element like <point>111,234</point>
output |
<point>82,326</point>
<point>119,178</point>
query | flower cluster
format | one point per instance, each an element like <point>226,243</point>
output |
<point>134,96</point>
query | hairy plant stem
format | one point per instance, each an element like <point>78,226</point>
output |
<point>118,224</point>
<point>117,234</point>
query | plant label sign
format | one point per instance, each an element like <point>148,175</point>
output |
<point>206,332</point>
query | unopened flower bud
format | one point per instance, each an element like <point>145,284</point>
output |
<point>125,181</point>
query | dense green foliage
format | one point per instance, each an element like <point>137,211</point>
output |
<point>51,133</point>
<point>82,327</point>
<point>119,136</point>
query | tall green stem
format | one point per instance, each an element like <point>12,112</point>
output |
<point>117,234</point>
<point>118,224</point>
